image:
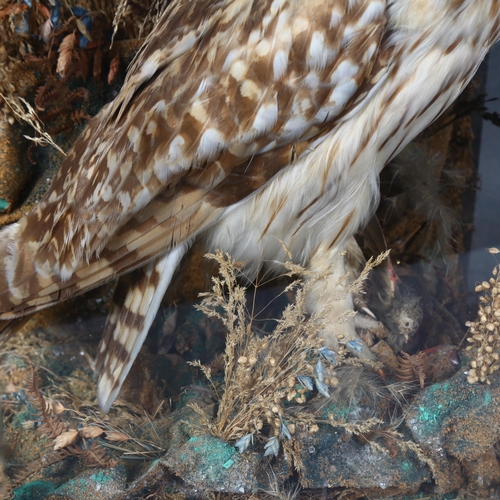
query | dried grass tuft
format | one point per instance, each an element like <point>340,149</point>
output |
<point>23,111</point>
<point>267,378</point>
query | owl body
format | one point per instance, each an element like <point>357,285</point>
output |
<point>250,124</point>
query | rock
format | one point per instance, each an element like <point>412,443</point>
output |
<point>332,459</point>
<point>484,474</point>
<point>94,484</point>
<point>209,464</point>
<point>456,422</point>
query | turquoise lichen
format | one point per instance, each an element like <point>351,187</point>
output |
<point>101,477</point>
<point>69,485</point>
<point>428,415</point>
<point>339,411</point>
<point>405,466</point>
<point>487,398</point>
<point>213,453</point>
<point>34,491</point>
<point>440,388</point>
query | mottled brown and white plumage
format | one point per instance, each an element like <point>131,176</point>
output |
<point>250,123</point>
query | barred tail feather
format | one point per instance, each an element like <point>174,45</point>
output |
<point>127,328</point>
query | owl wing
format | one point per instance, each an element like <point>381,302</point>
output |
<point>222,97</point>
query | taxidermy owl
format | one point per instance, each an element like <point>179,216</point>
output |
<point>248,124</point>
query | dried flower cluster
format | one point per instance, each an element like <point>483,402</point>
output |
<point>485,331</point>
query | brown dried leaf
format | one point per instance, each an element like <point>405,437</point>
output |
<point>46,30</point>
<point>65,439</point>
<point>114,68</point>
<point>65,51</point>
<point>116,436</point>
<point>54,407</point>
<point>91,432</point>
<point>67,43</point>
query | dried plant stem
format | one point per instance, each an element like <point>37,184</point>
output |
<point>23,111</point>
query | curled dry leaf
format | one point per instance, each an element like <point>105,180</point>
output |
<point>91,432</point>
<point>46,30</point>
<point>65,51</point>
<point>54,407</point>
<point>116,436</point>
<point>114,67</point>
<point>65,439</point>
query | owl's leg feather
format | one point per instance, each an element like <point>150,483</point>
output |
<point>330,297</point>
<point>132,313</point>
